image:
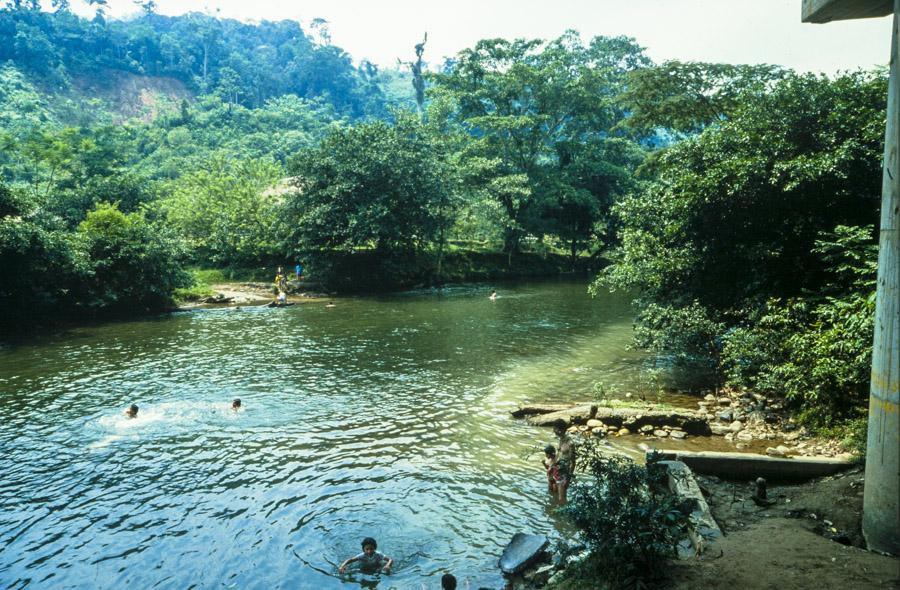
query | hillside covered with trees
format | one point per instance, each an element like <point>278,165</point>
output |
<point>737,203</point>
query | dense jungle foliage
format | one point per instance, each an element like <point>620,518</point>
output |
<point>737,202</point>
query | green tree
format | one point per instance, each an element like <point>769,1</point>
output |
<point>223,211</point>
<point>685,97</point>
<point>520,98</point>
<point>576,196</point>
<point>815,349</point>
<point>369,186</point>
<point>38,261</point>
<point>135,265</point>
<point>734,216</point>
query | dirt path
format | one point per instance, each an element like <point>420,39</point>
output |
<point>243,294</point>
<point>790,544</point>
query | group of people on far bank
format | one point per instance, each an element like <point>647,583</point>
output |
<point>281,283</point>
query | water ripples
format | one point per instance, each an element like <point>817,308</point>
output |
<point>385,417</point>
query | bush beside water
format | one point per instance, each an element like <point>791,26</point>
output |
<point>628,517</point>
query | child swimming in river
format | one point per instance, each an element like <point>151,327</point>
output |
<point>132,411</point>
<point>369,560</point>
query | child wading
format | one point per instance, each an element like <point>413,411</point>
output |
<point>369,560</point>
<point>565,460</point>
<point>557,477</point>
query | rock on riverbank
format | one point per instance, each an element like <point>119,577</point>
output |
<point>739,417</point>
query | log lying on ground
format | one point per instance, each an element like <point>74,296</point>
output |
<point>702,527</point>
<point>747,466</point>
<point>538,409</point>
<point>630,418</point>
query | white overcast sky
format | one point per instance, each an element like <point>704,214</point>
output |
<point>728,31</point>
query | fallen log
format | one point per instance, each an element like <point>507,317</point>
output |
<point>702,527</point>
<point>574,415</point>
<point>538,409</point>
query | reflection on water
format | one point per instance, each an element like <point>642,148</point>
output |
<point>383,417</point>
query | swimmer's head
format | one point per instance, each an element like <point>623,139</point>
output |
<point>448,582</point>
<point>369,545</point>
<point>236,404</point>
<point>132,411</point>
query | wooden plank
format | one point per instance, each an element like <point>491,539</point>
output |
<point>824,11</point>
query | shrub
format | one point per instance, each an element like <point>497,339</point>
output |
<point>815,351</point>
<point>134,264</point>
<point>629,519</point>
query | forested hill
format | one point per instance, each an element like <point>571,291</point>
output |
<point>244,64</point>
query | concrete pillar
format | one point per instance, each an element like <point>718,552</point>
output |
<point>881,503</point>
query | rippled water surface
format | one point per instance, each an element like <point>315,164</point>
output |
<point>383,417</point>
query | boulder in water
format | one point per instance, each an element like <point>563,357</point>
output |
<point>521,552</point>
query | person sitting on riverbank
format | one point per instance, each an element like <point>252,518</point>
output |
<point>236,404</point>
<point>370,559</point>
<point>132,411</point>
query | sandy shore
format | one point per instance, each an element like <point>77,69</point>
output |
<point>241,294</point>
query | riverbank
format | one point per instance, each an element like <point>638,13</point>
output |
<point>744,421</point>
<point>809,538</point>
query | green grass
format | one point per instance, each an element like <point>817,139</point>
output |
<point>194,293</point>
<point>212,276</point>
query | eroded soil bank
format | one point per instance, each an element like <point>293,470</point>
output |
<point>809,538</point>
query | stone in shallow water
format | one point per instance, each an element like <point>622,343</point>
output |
<point>521,552</point>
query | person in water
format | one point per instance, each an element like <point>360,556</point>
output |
<point>282,298</point>
<point>558,477</point>
<point>369,560</point>
<point>565,460</point>
<point>132,411</point>
<point>236,404</point>
<point>551,467</point>
<point>329,304</point>
<point>493,296</point>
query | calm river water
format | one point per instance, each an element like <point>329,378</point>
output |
<point>383,417</point>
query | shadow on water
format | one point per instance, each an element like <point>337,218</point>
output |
<point>383,417</point>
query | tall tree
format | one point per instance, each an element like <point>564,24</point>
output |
<point>685,97</point>
<point>520,98</point>
<point>369,186</point>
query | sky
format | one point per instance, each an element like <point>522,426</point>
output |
<point>726,31</point>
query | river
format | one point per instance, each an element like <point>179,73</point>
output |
<point>385,417</point>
